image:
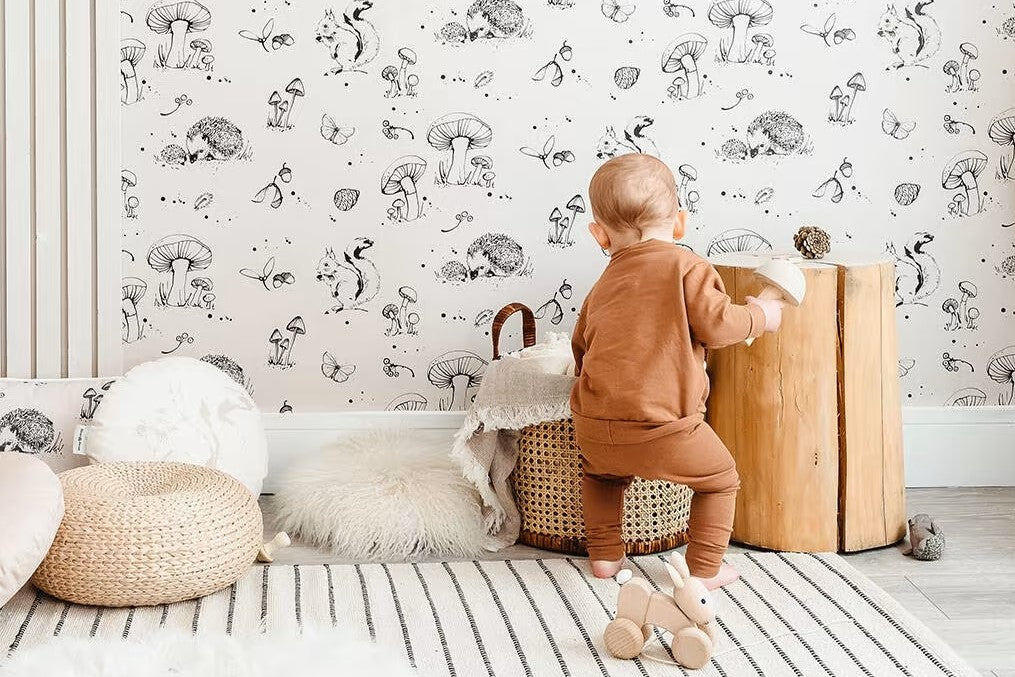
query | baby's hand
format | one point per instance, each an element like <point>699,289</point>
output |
<point>772,309</point>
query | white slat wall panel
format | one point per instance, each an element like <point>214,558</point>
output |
<point>19,343</point>
<point>80,93</point>
<point>59,179</point>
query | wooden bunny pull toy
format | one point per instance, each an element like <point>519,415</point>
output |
<point>689,614</point>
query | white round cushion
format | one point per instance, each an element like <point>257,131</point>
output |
<point>31,507</point>
<point>181,409</point>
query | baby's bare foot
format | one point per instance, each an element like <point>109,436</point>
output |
<point>726,575</point>
<point>602,568</point>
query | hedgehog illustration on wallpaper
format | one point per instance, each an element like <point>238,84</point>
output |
<point>352,41</point>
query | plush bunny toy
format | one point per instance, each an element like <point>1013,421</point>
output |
<point>689,614</point>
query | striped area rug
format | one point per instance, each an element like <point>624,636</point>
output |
<point>792,614</point>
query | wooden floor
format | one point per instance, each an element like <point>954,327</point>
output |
<point>968,597</point>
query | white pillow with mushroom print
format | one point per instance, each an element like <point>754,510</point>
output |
<point>39,417</point>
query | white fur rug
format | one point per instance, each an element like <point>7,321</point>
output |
<point>384,495</point>
<point>315,655</point>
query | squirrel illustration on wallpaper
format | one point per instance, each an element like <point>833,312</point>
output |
<point>352,40</point>
<point>352,281</point>
<point>914,35</point>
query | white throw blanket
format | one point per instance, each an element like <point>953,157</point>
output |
<point>518,390</point>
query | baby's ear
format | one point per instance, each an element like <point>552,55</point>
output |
<point>600,234</point>
<point>680,224</point>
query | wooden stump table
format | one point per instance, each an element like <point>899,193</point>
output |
<point>812,414</point>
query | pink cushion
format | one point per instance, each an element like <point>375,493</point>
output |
<point>31,507</point>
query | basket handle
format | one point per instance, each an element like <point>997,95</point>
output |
<point>528,326</point>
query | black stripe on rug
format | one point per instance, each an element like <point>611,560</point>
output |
<point>881,612</point>
<point>436,620</point>
<point>814,616</point>
<point>366,606</point>
<point>264,597</point>
<point>539,616</point>
<point>764,633</point>
<point>574,617</point>
<point>331,601</point>
<point>606,610</point>
<point>128,622</point>
<point>195,621</point>
<point>824,593</point>
<point>507,621</point>
<point>471,619</point>
<point>62,620</point>
<point>788,626</point>
<point>298,610</point>
<point>401,616</point>
<point>24,624</point>
<point>232,609</point>
<point>96,622</point>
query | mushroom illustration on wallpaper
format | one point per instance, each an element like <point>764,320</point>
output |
<point>29,431</point>
<point>458,133</point>
<point>407,402</point>
<point>739,17</point>
<point>280,108</point>
<point>400,81</point>
<point>178,256</point>
<point>128,180</point>
<point>680,59</point>
<point>283,342</point>
<point>559,233</point>
<point>736,241</point>
<point>843,99</point>
<point>133,290</point>
<point>1002,132</point>
<point>961,76</point>
<point>1001,369</point>
<point>401,180</point>
<point>962,172</point>
<point>917,273</point>
<point>131,51</point>
<point>456,373</point>
<point>352,279</point>
<point>959,313</point>
<point>351,40</point>
<point>179,21</point>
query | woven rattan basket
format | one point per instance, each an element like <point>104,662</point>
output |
<point>137,534</point>
<point>547,484</point>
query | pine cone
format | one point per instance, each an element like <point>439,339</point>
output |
<point>812,242</point>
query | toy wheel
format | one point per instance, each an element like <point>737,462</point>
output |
<point>692,648</point>
<point>623,638</point>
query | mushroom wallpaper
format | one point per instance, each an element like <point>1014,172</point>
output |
<point>330,200</point>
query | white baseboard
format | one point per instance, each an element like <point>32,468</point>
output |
<point>945,446</point>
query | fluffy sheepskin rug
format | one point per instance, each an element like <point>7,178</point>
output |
<point>312,655</point>
<point>383,495</point>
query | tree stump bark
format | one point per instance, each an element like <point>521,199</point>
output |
<point>812,413</point>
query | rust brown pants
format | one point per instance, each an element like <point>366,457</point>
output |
<point>695,457</point>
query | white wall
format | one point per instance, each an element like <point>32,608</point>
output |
<point>59,189</point>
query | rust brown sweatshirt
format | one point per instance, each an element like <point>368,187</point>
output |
<point>639,344</point>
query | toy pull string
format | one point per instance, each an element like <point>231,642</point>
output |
<point>741,649</point>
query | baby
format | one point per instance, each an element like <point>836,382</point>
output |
<point>639,346</point>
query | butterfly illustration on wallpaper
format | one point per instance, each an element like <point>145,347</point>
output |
<point>894,128</point>
<point>618,12</point>
<point>335,371</point>
<point>332,132</point>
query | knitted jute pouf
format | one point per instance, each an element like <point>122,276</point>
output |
<point>137,534</point>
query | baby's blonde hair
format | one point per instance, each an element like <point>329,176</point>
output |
<point>633,191</point>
